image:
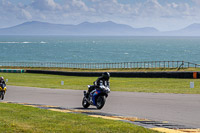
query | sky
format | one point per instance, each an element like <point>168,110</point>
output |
<point>164,15</point>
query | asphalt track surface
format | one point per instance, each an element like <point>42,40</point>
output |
<point>181,109</point>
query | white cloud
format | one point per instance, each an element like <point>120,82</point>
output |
<point>174,5</point>
<point>140,14</point>
<point>196,2</point>
<point>26,14</point>
<point>80,5</point>
<point>45,5</point>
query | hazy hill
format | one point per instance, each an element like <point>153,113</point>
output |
<point>86,28</point>
<point>191,30</point>
<point>36,28</point>
<point>108,28</point>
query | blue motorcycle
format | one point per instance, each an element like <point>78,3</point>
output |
<point>97,97</point>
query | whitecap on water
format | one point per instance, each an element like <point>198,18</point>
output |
<point>15,42</point>
<point>126,53</point>
<point>43,42</point>
<point>9,42</point>
<point>26,42</point>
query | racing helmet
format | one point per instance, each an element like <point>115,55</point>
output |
<point>106,75</point>
<point>1,78</point>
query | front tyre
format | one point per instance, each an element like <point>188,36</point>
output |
<point>2,95</point>
<point>85,103</point>
<point>100,101</point>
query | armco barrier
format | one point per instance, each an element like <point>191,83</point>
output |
<point>123,74</point>
<point>12,70</point>
<point>89,74</point>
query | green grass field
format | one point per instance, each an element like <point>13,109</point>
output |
<point>155,85</point>
<point>16,118</point>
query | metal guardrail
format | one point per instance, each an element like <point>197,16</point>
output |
<point>124,65</point>
<point>12,70</point>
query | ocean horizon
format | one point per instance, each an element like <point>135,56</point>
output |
<point>98,49</point>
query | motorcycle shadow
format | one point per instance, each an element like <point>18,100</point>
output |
<point>81,108</point>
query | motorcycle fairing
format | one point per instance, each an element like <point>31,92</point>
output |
<point>95,94</point>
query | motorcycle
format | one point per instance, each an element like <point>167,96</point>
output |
<point>97,97</point>
<point>2,91</point>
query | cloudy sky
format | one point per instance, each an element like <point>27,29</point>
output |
<point>162,14</point>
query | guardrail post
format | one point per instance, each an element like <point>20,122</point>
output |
<point>177,64</point>
<point>155,64</point>
<point>168,64</point>
<point>164,64</point>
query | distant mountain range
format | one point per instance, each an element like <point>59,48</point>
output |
<point>108,28</point>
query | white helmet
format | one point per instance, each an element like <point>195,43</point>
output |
<point>1,78</point>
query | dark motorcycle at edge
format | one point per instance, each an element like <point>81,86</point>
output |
<point>97,97</point>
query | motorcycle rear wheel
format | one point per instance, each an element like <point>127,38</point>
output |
<point>85,103</point>
<point>100,101</point>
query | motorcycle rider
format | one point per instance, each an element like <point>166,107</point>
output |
<point>102,80</point>
<point>2,82</point>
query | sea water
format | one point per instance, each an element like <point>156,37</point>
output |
<point>98,49</point>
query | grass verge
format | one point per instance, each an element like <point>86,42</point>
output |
<point>18,118</point>
<point>155,85</point>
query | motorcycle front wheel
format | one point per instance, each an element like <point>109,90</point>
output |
<point>100,101</point>
<point>2,95</point>
<point>85,103</point>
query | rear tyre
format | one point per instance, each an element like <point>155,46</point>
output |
<point>85,103</point>
<point>100,101</point>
